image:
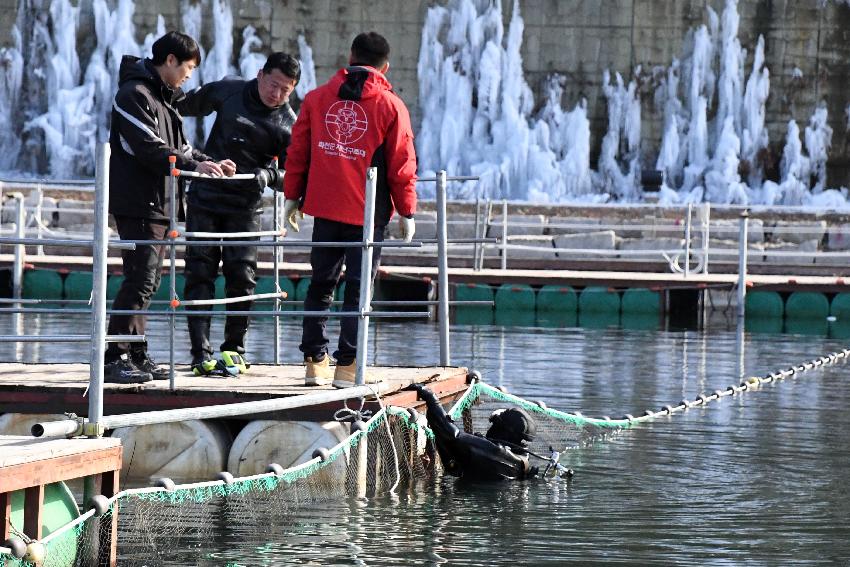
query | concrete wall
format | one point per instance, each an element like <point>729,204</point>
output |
<point>577,38</point>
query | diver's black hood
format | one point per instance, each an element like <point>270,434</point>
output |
<point>513,425</point>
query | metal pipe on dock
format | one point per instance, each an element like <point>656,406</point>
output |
<point>20,251</point>
<point>742,262</point>
<point>443,270</point>
<point>98,308</point>
<point>64,427</point>
<point>505,234</point>
<point>172,268</point>
<point>278,195</point>
<point>366,276</point>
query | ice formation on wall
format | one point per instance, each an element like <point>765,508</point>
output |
<point>66,112</point>
<point>714,139</point>
<point>477,111</point>
<point>308,69</point>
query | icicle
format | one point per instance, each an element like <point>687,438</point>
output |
<point>308,69</point>
<point>755,137</point>
<point>818,141</point>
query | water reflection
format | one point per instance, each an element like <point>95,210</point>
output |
<point>770,464</point>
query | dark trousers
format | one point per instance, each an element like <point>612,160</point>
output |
<point>142,274</point>
<point>239,265</point>
<point>326,264</point>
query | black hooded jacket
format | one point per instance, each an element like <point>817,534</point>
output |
<point>245,131</point>
<point>146,129</point>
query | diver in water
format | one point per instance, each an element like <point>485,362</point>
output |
<point>500,454</point>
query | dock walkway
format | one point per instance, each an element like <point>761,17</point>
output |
<point>58,388</point>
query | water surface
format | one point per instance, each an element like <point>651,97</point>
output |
<point>758,479</point>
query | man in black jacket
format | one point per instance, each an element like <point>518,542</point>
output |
<point>498,455</point>
<point>253,126</point>
<point>147,129</point>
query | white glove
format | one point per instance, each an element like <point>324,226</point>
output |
<point>408,228</point>
<point>291,214</point>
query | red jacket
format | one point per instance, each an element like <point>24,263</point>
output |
<point>348,124</point>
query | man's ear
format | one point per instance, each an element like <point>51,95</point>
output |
<point>259,74</point>
<point>171,60</point>
<point>384,68</point>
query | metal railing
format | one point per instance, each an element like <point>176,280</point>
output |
<point>95,423</point>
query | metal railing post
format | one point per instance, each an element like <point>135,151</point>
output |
<point>688,240</point>
<point>37,214</point>
<point>366,276</point>
<point>20,249</point>
<point>98,299</point>
<point>742,262</point>
<point>443,270</point>
<point>505,234</point>
<point>172,268</point>
<point>487,217</point>
<point>276,270</point>
<point>477,230</point>
<point>706,234</point>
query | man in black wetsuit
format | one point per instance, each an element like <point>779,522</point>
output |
<point>498,455</point>
<point>253,126</point>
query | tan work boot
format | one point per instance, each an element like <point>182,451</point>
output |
<point>318,373</point>
<point>344,376</point>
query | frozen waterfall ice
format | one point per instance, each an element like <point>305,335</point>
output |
<point>477,113</point>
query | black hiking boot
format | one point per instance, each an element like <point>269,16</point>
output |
<point>123,371</point>
<point>146,364</point>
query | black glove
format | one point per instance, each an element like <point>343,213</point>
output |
<point>416,386</point>
<point>268,177</point>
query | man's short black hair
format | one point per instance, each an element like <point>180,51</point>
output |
<point>176,43</point>
<point>285,63</point>
<point>371,49</point>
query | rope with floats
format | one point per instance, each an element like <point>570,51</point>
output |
<point>746,385</point>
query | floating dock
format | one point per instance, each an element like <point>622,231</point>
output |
<point>58,388</point>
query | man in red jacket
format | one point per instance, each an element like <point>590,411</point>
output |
<point>352,122</point>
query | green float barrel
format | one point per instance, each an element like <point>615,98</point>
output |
<point>164,291</point>
<point>515,297</point>
<point>113,284</point>
<point>220,292</point>
<point>301,289</point>
<point>265,284</point>
<point>42,284</point>
<point>639,301</point>
<point>556,319</point>
<point>764,305</point>
<point>806,305</point>
<point>807,326</point>
<point>473,315</point>
<point>515,318</point>
<point>58,509</point>
<point>600,300</point>
<point>340,291</point>
<point>474,292</point>
<point>840,307</point>
<point>598,320</point>
<point>640,321</point>
<point>557,298</point>
<point>78,285</point>
<point>763,325</point>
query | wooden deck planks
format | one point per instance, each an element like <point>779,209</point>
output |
<point>265,379</point>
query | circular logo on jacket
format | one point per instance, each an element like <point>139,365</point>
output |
<point>346,121</point>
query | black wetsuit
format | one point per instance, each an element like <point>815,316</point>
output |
<point>470,456</point>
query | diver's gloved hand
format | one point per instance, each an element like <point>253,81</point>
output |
<point>408,227</point>
<point>268,177</point>
<point>290,214</point>
<point>416,387</point>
